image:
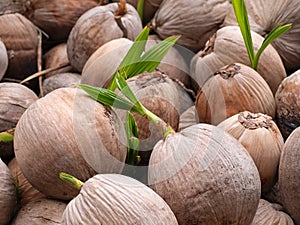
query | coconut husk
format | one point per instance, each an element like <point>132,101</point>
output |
<point>3,59</point>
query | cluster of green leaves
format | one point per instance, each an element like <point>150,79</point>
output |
<point>241,14</point>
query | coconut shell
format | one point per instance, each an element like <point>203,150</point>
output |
<point>289,176</point>
<point>271,214</point>
<point>288,104</point>
<point>8,197</point>
<point>43,211</point>
<point>3,59</point>
<point>227,46</point>
<point>266,15</point>
<point>98,26</point>
<point>195,21</point>
<point>117,199</point>
<point>200,168</point>
<point>235,88</point>
<point>261,137</point>
<point>71,129</point>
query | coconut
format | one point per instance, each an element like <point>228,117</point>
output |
<point>14,100</point>
<point>233,89</point>
<point>43,211</point>
<point>187,118</point>
<point>289,175</point>
<point>10,6</point>
<point>3,59</point>
<point>71,129</point>
<point>117,199</point>
<point>195,21</point>
<point>206,177</point>
<point>287,100</point>
<point>265,15</point>
<point>216,54</point>
<point>99,25</point>
<point>261,137</point>
<point>8,197</point>
<point>271,214</point>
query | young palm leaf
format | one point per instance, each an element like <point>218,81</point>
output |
<point>132,140</point>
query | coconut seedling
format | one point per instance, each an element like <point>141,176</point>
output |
<point>115,199</point>
<point>3,59</point>
<point>261,137</point>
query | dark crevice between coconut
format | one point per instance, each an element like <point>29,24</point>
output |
<point>122,10</point>
<point>254,121</point>
<point>209,46</point>
<point>229,71</point>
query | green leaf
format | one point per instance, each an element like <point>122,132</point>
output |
<point>132,139</point>
<point>275,33</point>
<point>140,8</point>
<point>241,14</point>
<point>6,136</point>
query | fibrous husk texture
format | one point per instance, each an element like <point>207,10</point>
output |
<point>117,199</point>
<point>289,176</point>
<point>265,15</point>
<point>8,197</point>
<point>206,177</point>
<point>3,59</point>
<point>195,21</point>
<point>64,127</point>
<point>227,46</point>
<point>187,118</point>
<point>96,27</point>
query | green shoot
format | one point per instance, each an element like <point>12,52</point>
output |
<point>71,180</point>
<point>133,157</point>
<point>140,8</point>
<point>7,136</point>
<point>241,14</point>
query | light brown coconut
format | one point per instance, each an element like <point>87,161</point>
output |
<point>3,59</point>
<point>96,27</point>
<point>287,100</point>
<point>14,100</point>
<point>117,199</point>
<point>289,175</point>
<point>195,21</point>
<point>233,89</point>
<point>265,15</point>
<point>205,176</point>
<point>43,211</point>
<point>60,80</point>
<point>8,197</point>
<point>227,46</point>
<point>187,118</point>
<point>21,41</point>
<point>261,137</point>
<point>271,214</point>
<point>67,131</point>
<point>57,56</point>
<point>26,192</point>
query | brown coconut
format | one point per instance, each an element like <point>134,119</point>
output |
<point>26,192</point>
<point>271,214</point>
<point>63,132</point>
<point>227,46</point>
<point>14,100</point>
<point>261,137</point>
<point>10,6</point>
<point>43,211</point>
<point>117,199</point>
<point>98,26</point>
<point>195,21</point>
<point>233,89</point>
<point>8,196</point>
<point>266,15</point>
<point>287,100</point>
<point>289,175</point>
<point>3,59</point>
<point>205,176</point>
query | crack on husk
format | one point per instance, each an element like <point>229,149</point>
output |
<point>228,71</point>
<point>255,120</point>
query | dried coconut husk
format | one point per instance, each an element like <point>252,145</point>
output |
<point>261,137</point>
<point>14,100</point>
<point>57,56</point>
<point>43,211</point>
<point>288,104</point>
<point>271,214</point>
<point>206,177</point>
<point>227,46</point>
<point>67,131</point>
<point>8,197</point>
<point>289,175</point>
<point>98,26</point>
<point>265,15</point>
<point>119,200</point>
<point>3,59</point>
<point>60,80</point>
<point>234,88</point>
<point>21,40</point>
<point>187,118</point>
<point>10,6</point>
<point>195,21</point>
<point>26,192</point>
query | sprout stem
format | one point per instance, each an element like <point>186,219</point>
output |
<point>140,8</point>
<point>122,9</point>
<point>71,180</point>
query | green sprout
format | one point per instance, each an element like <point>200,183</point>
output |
<point>7,136</point>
